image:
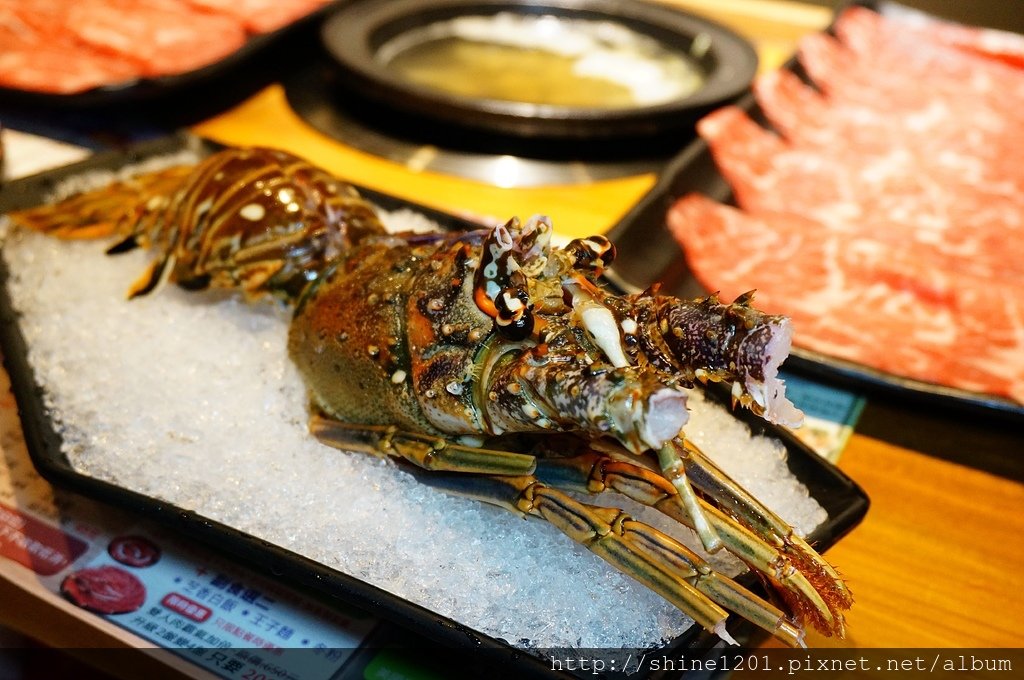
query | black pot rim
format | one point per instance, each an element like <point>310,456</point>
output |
<point>354,33</point>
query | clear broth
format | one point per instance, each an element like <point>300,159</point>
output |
<point>543,60</point>
<point>506,72</point>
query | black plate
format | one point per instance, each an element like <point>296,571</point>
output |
<point>354,34</point>
<point>147,89</point>
<point>648,253</point>
<point>842,499</point>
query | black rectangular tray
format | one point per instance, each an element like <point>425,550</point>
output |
<point>648,253</point>
<point>844,501</point>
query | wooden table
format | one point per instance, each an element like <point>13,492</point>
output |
<point>936,563</point>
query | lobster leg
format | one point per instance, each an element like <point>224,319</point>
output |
<point>424,451</point>
<point>595,472</point>
<point>651,557</point>
<point>149,280</point>
<point>736,501</point>
<point>640,551</point>
<point>674,469</point>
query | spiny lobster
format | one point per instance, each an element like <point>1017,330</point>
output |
<point>493,360</point>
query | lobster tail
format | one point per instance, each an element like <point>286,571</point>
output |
<point>115,210</point>
<point>258,220</point>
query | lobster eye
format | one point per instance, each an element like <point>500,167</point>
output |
<point>594,252</point>
<point>515,318</point>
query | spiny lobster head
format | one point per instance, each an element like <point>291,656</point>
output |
<point>500,332</point>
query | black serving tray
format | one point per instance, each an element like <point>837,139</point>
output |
<point>648,253</point>
<point>845,502</point>
<point>140,90</point>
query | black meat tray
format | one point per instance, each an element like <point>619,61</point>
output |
<point>844,501</point>
<point>648,253</point>
<point>145,89</point>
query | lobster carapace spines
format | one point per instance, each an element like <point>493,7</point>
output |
<point>411,345</point>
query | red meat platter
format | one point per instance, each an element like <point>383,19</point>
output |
<point>869,190</point>
<point>105,51</point>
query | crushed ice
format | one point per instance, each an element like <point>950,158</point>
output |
<point>191,398</point>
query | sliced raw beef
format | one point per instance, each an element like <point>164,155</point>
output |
<point>56,65</point>
<point>71,46</point>
<point>855,299</point>
<point>260,16</point>
<point>873,61</point>
<point>161,40</point>
<point>878,41</point>
<point>948,222</point>
<point>885,210</point>
<point>986,42</point>
<point>933,130</point>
